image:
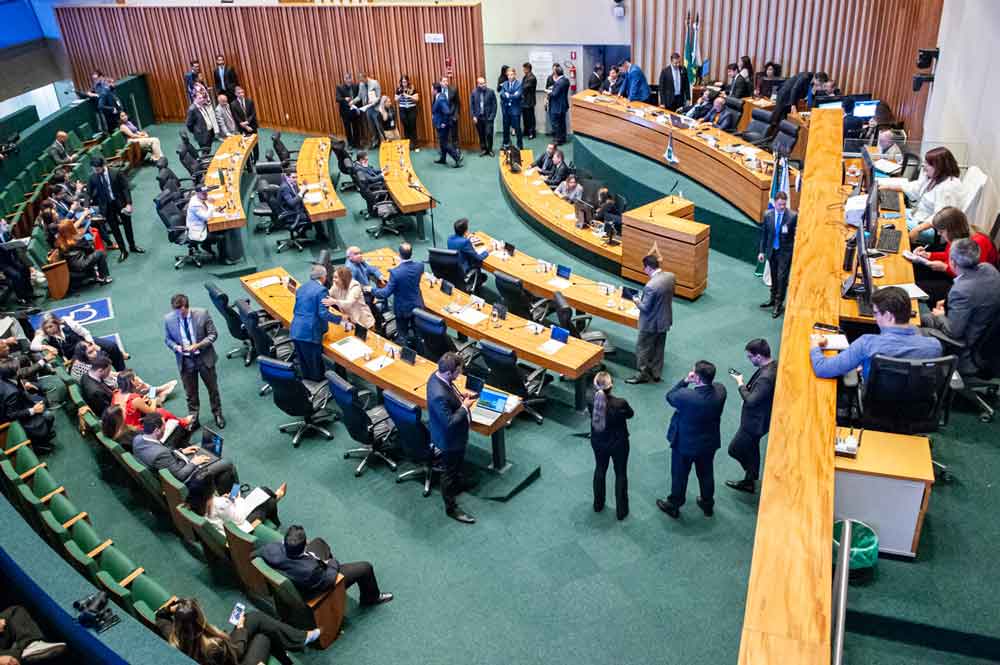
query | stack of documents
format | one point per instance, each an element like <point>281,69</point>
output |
<point>351,348</point>
<point>551,347</point>
<point>265,282</point>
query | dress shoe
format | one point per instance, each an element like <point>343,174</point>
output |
<point>765,305</point>
<point>668,508</point>
<point>742,485</point>
<point>778,311</point>
<point>622,515</point>
<point>40,650</point>
<point>122,256</point>
<point>459,163</point>
<point>440,161</point>
<point>705,508</point>
<point>220,421</point>
<point>598,507</point>
<point>138,250</point>
<point>638,378</point>
<point>382,598</point>
<point>460,515</point>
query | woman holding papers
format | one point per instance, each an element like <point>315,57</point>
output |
<point>937,187</point>
<point>932,271</point>
<point>609,439</point>
<point>220,504</point>
<point>349,298</point>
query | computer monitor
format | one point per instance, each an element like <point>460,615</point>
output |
<point>830,105</point>
<point>584,213</point>
<point>868,168</point>
<point>859,283</point>
<point>866,108</point>
<point>211,441</point>
<point>871,210</point>
<point>473,383</point>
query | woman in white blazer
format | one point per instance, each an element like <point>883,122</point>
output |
<point>939,186</point>
<point>350,299</point>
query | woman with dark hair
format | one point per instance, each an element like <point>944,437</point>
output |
<point>937,187</point>
<point>609,439</point>
<point>135,403</point>
<point>766,88</point>
<point>935,273</point>
<point>83,357</point>
<point>255,639</point>
<point>113,426</point>
<point>746,67</point>
<point>406,101</point>
<point>503,76</point>
<point>218,506</point>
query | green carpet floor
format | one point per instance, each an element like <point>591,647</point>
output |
<point>541,578</point>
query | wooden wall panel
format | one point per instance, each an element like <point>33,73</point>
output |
<point>865,45</point>
<point>289,58</point>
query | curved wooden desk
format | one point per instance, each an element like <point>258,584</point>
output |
<point>313,170</point>
<point>226,171</point>
<point>644,129</point>
<point>405,188</point>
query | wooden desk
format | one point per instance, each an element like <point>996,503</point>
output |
<point>584,294</point>
<point>573,360</point>
<point>730,177</point>
<point>788,609</point>
<point>226,171</point>
<point>400,181</point>
<point>407,381</point>
<point>313,170</point>
<point>888,487</point>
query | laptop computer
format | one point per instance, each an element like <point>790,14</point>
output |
<point>489,408</point>
<point>211,441</point>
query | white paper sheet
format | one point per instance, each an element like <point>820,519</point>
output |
<point>559,283</point>
<point>836,342</point>
<point>351,348</point>
<point>551,347</point>
<point>265,282</point>
<point>472,316</point>
<point>912,290</point>
<point>376,364</point>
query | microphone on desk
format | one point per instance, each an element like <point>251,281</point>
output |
<point>280,295</point>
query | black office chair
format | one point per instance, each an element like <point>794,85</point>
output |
<point>173,220</point>
<point>170,181</point>
<point>904,395</point>
<point>911,166</point>
<point>293,396</point>
<point>735,104</point>
<point>194,168</point>
<point>379,205</point>
<point>369,426</point>
<point>757,132</point>
<point>284,154</point>
<point>196,152</point>
<point>436,341</point>
<point>786,137</point>
<point>290,220</point>
<point>261,207</point>
<point>517,300</point>
<point>509,375</point>
<point>345,163</point>
<point>577,324</point>
<point>414,438</point>
<point>233,323</point>
<point>978,369</point>
<point>446,265</point>
<point>385,320</point>
<point>266,336</point>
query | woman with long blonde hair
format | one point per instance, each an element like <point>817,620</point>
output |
<point>609,439</point>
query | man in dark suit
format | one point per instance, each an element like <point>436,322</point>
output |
<point>721,117</point>
<point>310,320</point>
<point>777,242</point>
<point>245,112</point>
<point>449,417</point>
<point>23,402</point>
<point>110,192</point>
<point>483,107</point>
<point>560,170</point>
<point>558,105</point>
<point>529,87</point>
<point>109,106</point>
<point>596,78</point>
<point>200,122</point>
<point>190,333</point>
<point>694,436</point>
<point>469,259</point>
<point>755,418</point>
<point>224,77</point>
<point>443,117</point>
<point>293,207</point>
<point>510,104</point>
<point>656,315</point>
<point>149,449</point>
<point>456,106</point>
<point>675,91</point>
<point>545,161</point>
<point>738,86</point>
<point>312,568</point>
<point>190,78</point>
<point>613,84</point>
<point>973,302</point>
<point>404,287</point>
<point>96,392</point>
<point>346,92</point>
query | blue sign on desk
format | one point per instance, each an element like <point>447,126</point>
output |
<point>84,313</point>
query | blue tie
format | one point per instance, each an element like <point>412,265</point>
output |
<point>777,230</point>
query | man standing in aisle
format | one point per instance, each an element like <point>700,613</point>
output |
<point>347,91</point>
<point>634,87</point>
<point>245,112</point>
<point>483,107</point>
<point>441,116</point>
<point>310,320</point>
<point>190,333</point>
<point>510,104</point>
<point>694,436</point>
<point>755,419</point>
<point>404,287</point>
<point>656,315</point>
<point>675,91</point>
<point>777,242</point>
<point>558,105</point>
<point>224,119</point>
<point>529,86</point>
<point>110,193</point>
<point>455,103</point>
<point>225,78</point>
<point>449,414</point>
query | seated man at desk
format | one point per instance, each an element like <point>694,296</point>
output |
<point>560,170</point>
<point>188,465</point>
<point>199,212</point>
<point>613,84</point>
<point>570,189</point>
<point>973,301</point>
<point>607,209</point>
<point>468,257</point>
<point>720,116</point>
<point>368,175</point>
<point>887,147</point>
<point>702,107</point>
<point>544,161</point>
<point>896,339</point>
<point>293,207</point>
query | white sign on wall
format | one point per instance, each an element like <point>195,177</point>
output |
<point>433,38</point>
<point>541,62</point>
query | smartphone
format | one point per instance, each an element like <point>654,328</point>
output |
<point>234,492</point>
<point>733,372</point>
<point>826,327</point>
<point>237,614</point>
<point>152,393</point>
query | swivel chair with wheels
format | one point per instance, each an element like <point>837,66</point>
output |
<point>517,300</point>
<point>233,323</point>
<point>266,336</point>
<point>414,437</point>
<point>577,324</point>
<point>298,398</point>
<point>446,265</point>
<point>369,426</point>
<point>435,340</point>
<point>978,368</point>
<point>509,375</point>
<point>757,132</point>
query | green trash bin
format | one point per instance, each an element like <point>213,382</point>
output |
<point>864,545</point>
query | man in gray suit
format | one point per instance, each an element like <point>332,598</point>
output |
<point>59,151</point>
<point>973,301</point>
<point>655,317</point>
<point>190,334</point>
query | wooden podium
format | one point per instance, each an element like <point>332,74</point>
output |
<point>668,226</point>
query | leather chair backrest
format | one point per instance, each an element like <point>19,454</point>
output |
<point>290,395</point>
<point>445,265</point>
<point>502,361</point>
<point>414,437</point>
<point>512,293</point>
<point>907,395</point>
<point>433,333</point>
<point>355,418</point>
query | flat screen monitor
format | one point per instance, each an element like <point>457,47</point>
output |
<point>871,209</point>
<point>830,105</point>
<point>584,213</point>
<point>473,383</point>
<point>859,283</point>
<point>865,109</point>
<point>868,176</point>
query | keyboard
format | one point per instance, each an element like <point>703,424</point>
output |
<point>888,240</point>
<point>888,200</point>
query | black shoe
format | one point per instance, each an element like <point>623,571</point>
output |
<point>460,515</point>
<point>765,305</point>
<point>668,508</point>
<point>491,154</point>
<point>459,163</point>
<point>622,515</point>
<point>122,256</point>
<point>638,378</point>
<point>742,485</point>
<point>138,250</point>
<point>656,379</point>
<point>705,508</point>
<point>778,311</point>
<point>220,421</point>
<point>382,598</point>
<point>194,424</point>
<point>440,161</point>
<point>598,507</point>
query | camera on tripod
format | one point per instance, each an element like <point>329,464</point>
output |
<point>95,613</point>
<point>8,146</point>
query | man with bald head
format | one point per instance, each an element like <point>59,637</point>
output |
<point>59,151</point>
<point>483,106</point>
<point>365,274</point>
<point>887,147</point>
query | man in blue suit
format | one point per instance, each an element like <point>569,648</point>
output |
<point>694,436</point>
<point>510,105</point>
<point>635,86</point>
<point>483,106</point>
<point>404,287</point>
<point>558,104</point>
<point>469,259</point>
<point>442,115</point>
<point>360,269</point>
<point>310,320</point>
<point>449,412</point>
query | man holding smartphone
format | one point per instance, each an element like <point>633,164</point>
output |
<point>755,419</point>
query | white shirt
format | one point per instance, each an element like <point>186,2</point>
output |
<point>677,79</point>
<point>927,202</point>
<point>39,339</point>
<point>198,214</point>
